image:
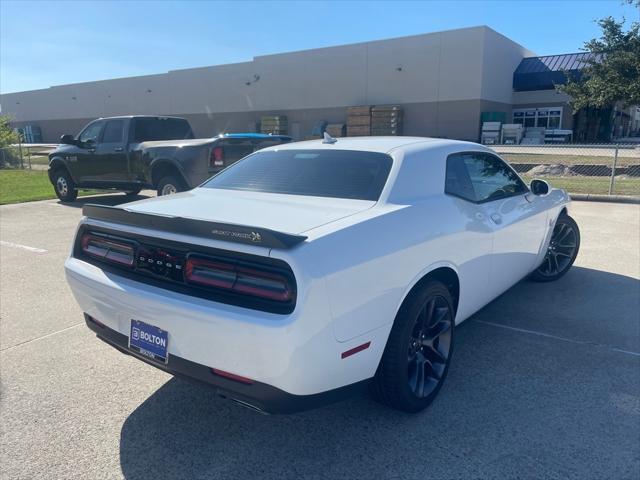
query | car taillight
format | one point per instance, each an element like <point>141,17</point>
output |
<point>108,249</point>
<point>239,279</point>
<point>217,157</point>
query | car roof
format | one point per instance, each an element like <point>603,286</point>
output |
<point>372,144</point>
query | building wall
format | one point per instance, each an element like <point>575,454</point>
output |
<point>432,119</point>
<point>441,79</point>
<point>501,58</point>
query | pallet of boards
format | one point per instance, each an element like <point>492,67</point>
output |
<point>360,110</point>
<point>274,118</point>
<point>358,120</point>
<point>386,108</point>
<point>386,113</point>
<point>385,122</point>
<point>386,131</point>
<point>358,131</point>
<point>335,129</point>
<point>386,116</point>
<point>274,122</point>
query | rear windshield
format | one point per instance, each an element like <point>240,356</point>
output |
<point>318,173</point>
<point>151,129</point>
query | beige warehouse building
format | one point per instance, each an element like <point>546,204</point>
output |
<point>444,81</point>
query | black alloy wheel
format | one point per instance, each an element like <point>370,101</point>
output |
<point>416,358</point>
<point>561,252</point>
<point>429,346</point>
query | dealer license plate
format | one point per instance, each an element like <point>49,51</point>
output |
<point>149,340</point>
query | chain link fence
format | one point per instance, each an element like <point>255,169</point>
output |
<point>25,156</point>
<point>611,169</point>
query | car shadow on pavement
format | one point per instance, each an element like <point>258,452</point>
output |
<point>515,404</point>
<point>105,199</point>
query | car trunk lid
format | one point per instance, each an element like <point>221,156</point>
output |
<point>293,214</point>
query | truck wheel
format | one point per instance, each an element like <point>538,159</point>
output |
<point>169,185</point>
<point>64,186</point>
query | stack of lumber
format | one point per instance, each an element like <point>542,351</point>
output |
<point>359,121</point>
<point>335,129</point>
<point>276,124</point>
<point>386,120</point>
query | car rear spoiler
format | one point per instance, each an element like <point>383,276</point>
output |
<point>199,228</point>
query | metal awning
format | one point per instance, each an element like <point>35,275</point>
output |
<point>543,73</point>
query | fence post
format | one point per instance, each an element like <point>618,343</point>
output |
<point>613,171</point>
<point>20,150</point>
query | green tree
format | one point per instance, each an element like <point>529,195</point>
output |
<point>612,73</point>
<point>7,135</point>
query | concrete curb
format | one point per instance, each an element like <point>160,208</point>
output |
<point>591,197</point>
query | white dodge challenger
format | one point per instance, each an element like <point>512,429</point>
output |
<point>307,271</point>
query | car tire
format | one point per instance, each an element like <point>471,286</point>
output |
<point>416,358</point>
<point>64,186</point>
<point>562,251</point>
<point>169,185</point>
<point>132,193</point>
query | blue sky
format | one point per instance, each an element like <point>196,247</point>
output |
<point>52,43</point>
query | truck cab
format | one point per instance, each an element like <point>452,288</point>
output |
<point>136,152</point>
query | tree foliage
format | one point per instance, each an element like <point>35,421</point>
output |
<point>612,73</point>
<point>7,135</point>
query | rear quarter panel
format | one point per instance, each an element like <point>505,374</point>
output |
<point>371,265</point>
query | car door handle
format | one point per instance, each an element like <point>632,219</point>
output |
<point>91,150</point>
<point>118,149</point>
<point>497,219</point>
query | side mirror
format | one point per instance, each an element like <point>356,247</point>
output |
<point>539,187</point>
<point>67,140</point>
<point>91,143</point>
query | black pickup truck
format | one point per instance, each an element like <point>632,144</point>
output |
<point>135,152</point>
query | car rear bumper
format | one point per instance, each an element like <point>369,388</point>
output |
<point>255,395</point>
<point>296,353</point>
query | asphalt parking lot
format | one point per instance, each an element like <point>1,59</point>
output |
<point>545,383</point>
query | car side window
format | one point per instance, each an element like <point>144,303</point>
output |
<point>457,181</point>
<point>481,177</point>
<point>113,132</point>
<point>92,132</point>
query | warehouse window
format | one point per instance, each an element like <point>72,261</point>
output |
<point>544,117</point>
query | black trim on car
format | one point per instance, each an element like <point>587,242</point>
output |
<point>256,395</point>
<point>229,232</point>
<point>174,281</point>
